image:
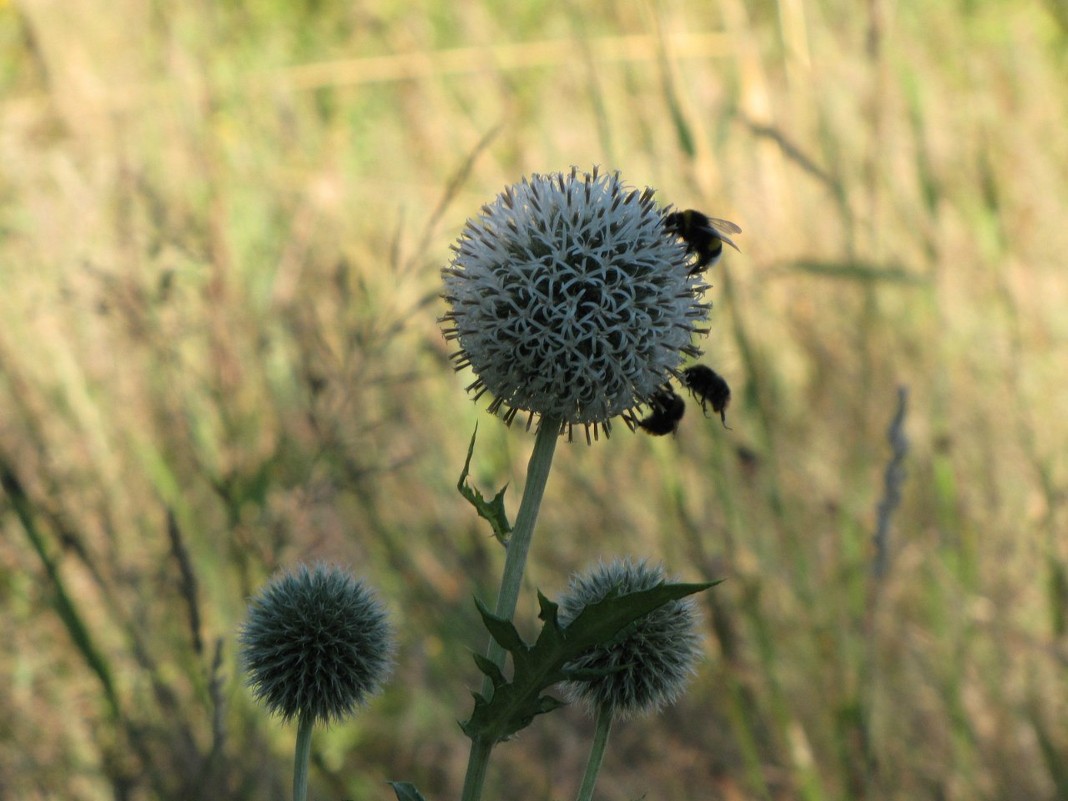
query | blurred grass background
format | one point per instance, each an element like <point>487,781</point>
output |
<point>221,225</point>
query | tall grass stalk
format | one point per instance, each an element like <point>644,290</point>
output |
<point>80,633</point>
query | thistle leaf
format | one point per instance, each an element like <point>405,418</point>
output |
<point>514,704</point>
<point>492,511</point>
<point>406,791</point>
<point>488,667</point>
<point>500,629</point>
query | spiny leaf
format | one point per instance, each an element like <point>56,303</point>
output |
<point>547,704</point>
<point>492,511</point>
<point>591,674</point>
<point>514,704</point>
<point>490,668</point>
<point>501,630</point>
<point>406,791</point>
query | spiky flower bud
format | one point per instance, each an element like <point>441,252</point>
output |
<point>316,643</point>
<point>570,299</point>
<point>647,666</point>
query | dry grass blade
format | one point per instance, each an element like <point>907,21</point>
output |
<point>893,481</point>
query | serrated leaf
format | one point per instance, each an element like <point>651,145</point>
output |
<point>547,610</point>
<point>514,704</point>
<point>488,667</point>
<point>589,674</point>
<point>492,511</point>
<point>547,704</point>
<point>501,630</point>
<point>406,791</point>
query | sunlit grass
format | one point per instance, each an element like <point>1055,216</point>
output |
<point>220,235</point>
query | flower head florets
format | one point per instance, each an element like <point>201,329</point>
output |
<point>571,300</point>
<point>647,666</point>
<point>315,644</point>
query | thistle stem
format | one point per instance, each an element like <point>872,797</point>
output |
<point>477,763</point>
<point>593,763</point>
<point>300,758</point>
<point>541,460</point>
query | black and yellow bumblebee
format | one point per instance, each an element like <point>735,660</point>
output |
<point>667,410</point>
<point>709,388</point>
<point>704,236</point>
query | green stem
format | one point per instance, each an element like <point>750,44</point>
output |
<point>541,459</point>
<point>593,764</point>
<point>300,758</point>
<point>477,763</point>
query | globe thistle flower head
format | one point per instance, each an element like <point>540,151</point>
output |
<point>315,643</point>
<point>647,666</point>
<point>570,299</point>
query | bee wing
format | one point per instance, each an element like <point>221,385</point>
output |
<point>723,228</point>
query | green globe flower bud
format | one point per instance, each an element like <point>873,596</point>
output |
<point>316,644</point>
<point>648,665</point>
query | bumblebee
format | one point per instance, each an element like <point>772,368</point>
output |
<point>667,410</point>
<point>704,236</point>
<point>709,388</point>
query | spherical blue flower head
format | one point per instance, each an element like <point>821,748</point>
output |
<point>316,642</point>
<point>647,665</point>
<point>569,299</point>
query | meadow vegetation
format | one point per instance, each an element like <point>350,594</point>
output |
<point>221,230</point>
